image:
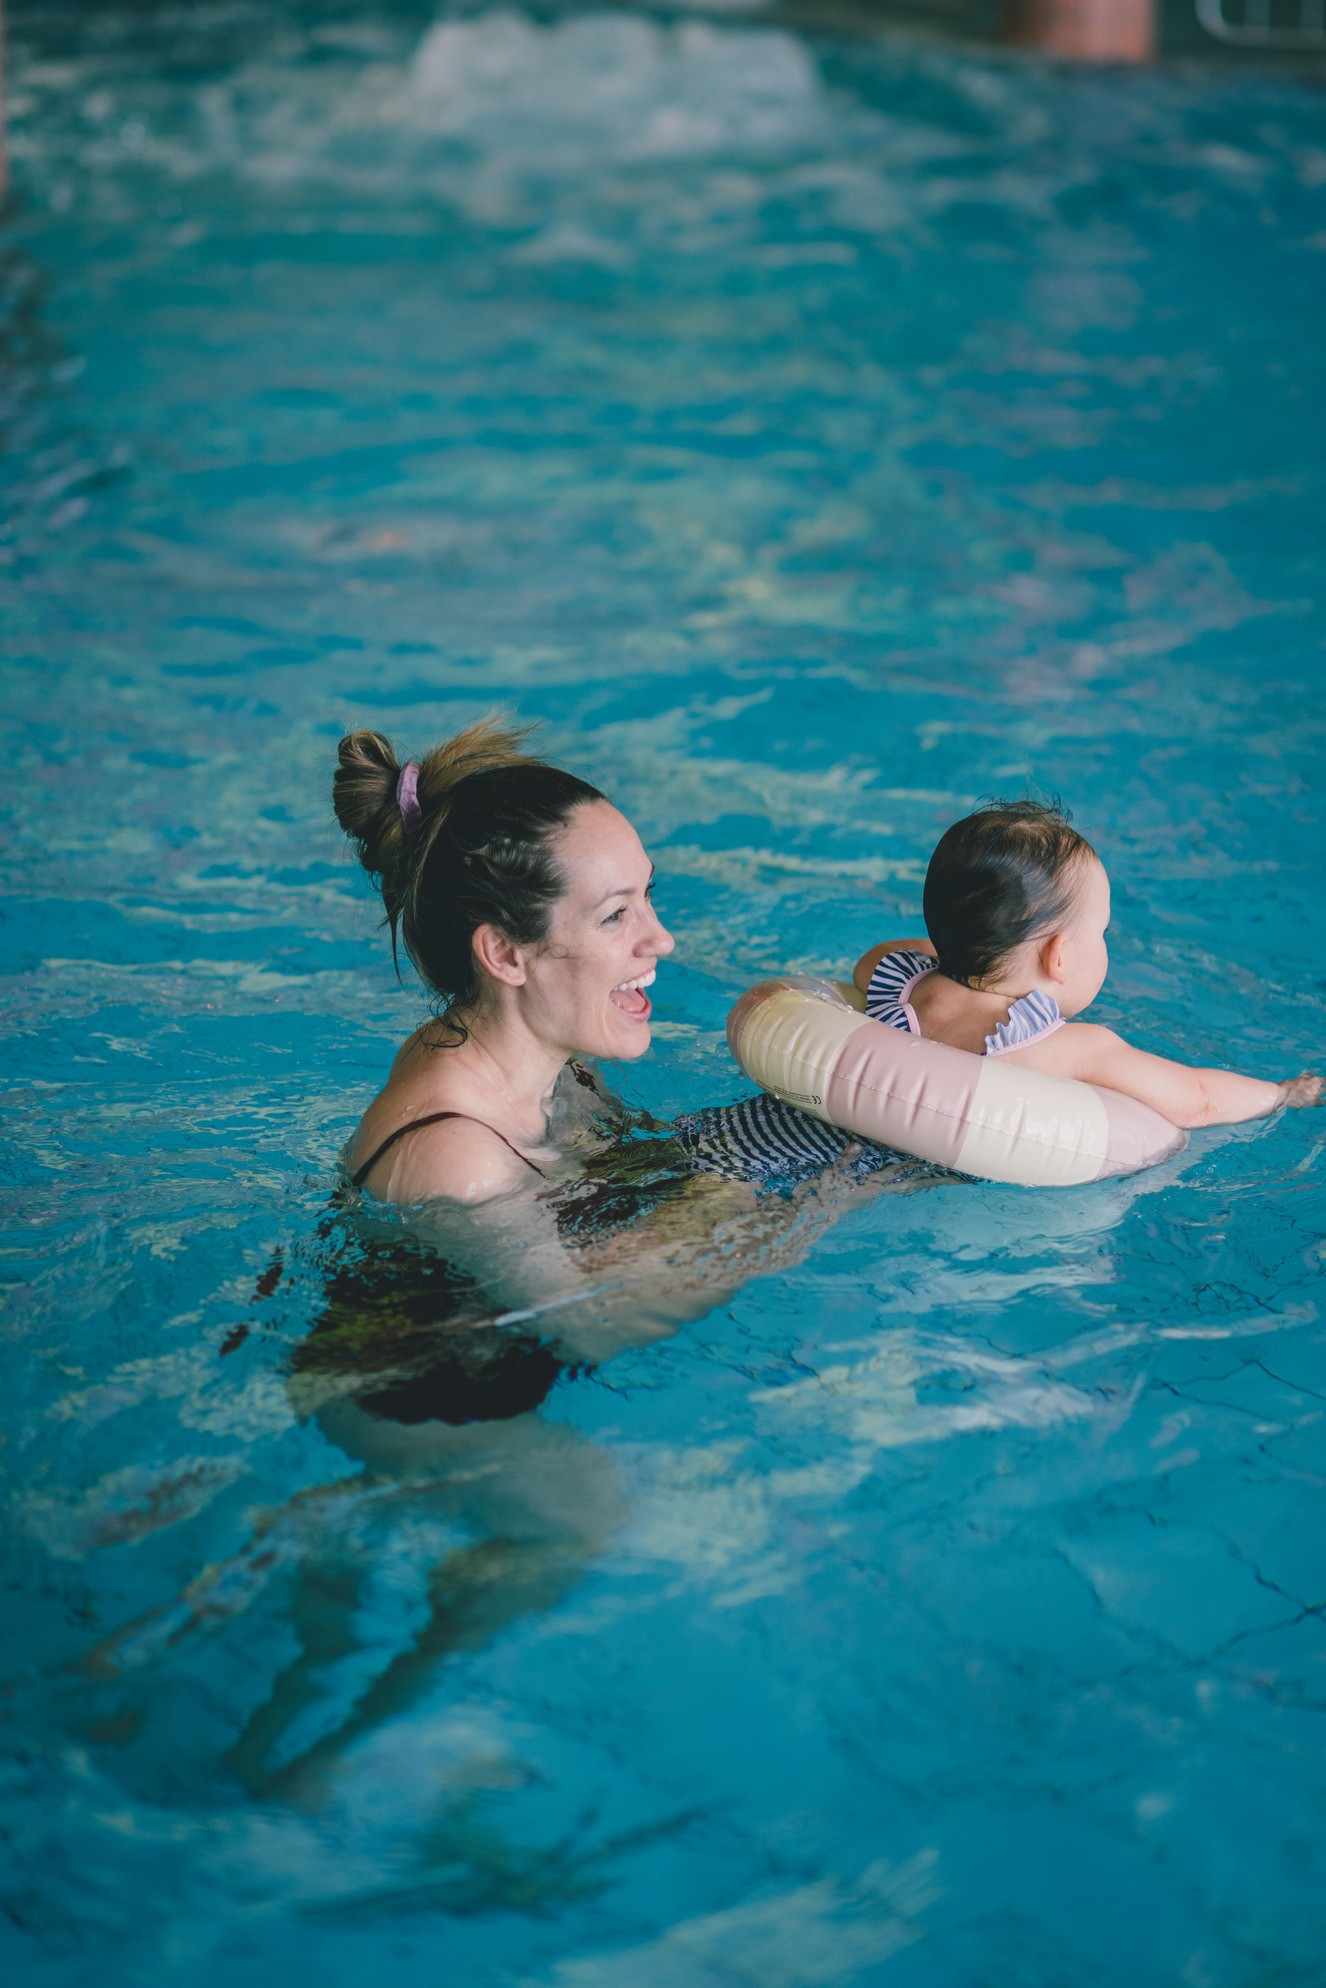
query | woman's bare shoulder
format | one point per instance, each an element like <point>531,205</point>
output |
<point>454,1159</point>
<point>415,1053</point>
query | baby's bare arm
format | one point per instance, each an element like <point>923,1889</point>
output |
<point>1186,1096</point>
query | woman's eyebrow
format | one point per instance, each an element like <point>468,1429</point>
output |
<point>625,890</point>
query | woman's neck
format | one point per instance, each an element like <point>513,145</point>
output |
<point>504,1061</point>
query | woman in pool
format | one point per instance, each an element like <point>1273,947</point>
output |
<point>523,897</point>
<point>1016,905</point>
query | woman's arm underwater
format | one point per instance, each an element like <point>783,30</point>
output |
<point>1186,1096</point>
<point>642,1280</point>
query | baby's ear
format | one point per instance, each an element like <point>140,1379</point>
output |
<point>1054,956</point>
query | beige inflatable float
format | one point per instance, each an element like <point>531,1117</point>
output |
<point>810,1043</point>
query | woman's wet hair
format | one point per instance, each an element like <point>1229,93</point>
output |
<point>475,850</point>
<point>1006,874</point>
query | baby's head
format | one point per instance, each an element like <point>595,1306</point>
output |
<point>1015,898</point>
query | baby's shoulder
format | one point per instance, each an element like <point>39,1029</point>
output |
<point>899,965</point>
<point>890,949</point>
<point>1074,1049</point>
<point>889,988</point>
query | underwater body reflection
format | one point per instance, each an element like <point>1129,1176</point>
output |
<point>426,1366</point>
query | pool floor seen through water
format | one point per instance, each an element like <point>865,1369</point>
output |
<point>815,434</point>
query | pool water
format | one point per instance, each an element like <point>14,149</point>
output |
<point>816,435</point>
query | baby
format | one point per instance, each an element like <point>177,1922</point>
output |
<point>1017,905</point>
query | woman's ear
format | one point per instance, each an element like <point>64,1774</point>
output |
<point>1054,958</point>
<point>497,956</point>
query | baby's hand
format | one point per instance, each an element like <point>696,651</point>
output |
<point>1296,1091</point>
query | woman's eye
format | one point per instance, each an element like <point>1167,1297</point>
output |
<point>613,916</point>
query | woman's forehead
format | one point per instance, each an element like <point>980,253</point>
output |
<point>600,854</point>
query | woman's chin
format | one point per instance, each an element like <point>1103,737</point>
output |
<point>629,1042</point>
<point>626,1036</point>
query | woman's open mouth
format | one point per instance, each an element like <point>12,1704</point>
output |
<point>631,1000</point>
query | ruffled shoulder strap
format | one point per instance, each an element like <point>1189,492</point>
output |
<point>890,983</point>
<point>1031,1016</point>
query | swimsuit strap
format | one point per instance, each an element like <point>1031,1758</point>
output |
<point>888,997</point>
<point>435,1118</point>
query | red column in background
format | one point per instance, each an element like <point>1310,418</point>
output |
<point>1084,30</point>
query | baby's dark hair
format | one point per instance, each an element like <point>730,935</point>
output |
<point>998,878</point>
<point>474,849</point>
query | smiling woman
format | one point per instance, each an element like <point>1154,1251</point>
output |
<point>523,897</point>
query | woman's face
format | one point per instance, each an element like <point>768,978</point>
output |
<point>586,985</point>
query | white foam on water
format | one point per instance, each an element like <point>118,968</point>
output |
<point>476,105</point>
<point>612,86</point>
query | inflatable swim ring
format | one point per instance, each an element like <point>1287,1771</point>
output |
<point>810,1043</point>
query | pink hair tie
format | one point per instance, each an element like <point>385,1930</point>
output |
<point>407,796</point>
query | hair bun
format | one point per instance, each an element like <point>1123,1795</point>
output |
<point>366,787</point>
<point>364,797</point>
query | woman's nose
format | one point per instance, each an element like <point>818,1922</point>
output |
<point>660,940</point>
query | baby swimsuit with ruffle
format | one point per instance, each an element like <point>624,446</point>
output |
<point>889,999</point>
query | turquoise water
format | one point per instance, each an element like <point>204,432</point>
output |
<point>817,435</point>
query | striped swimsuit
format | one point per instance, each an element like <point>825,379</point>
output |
<point>773,1145</point>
